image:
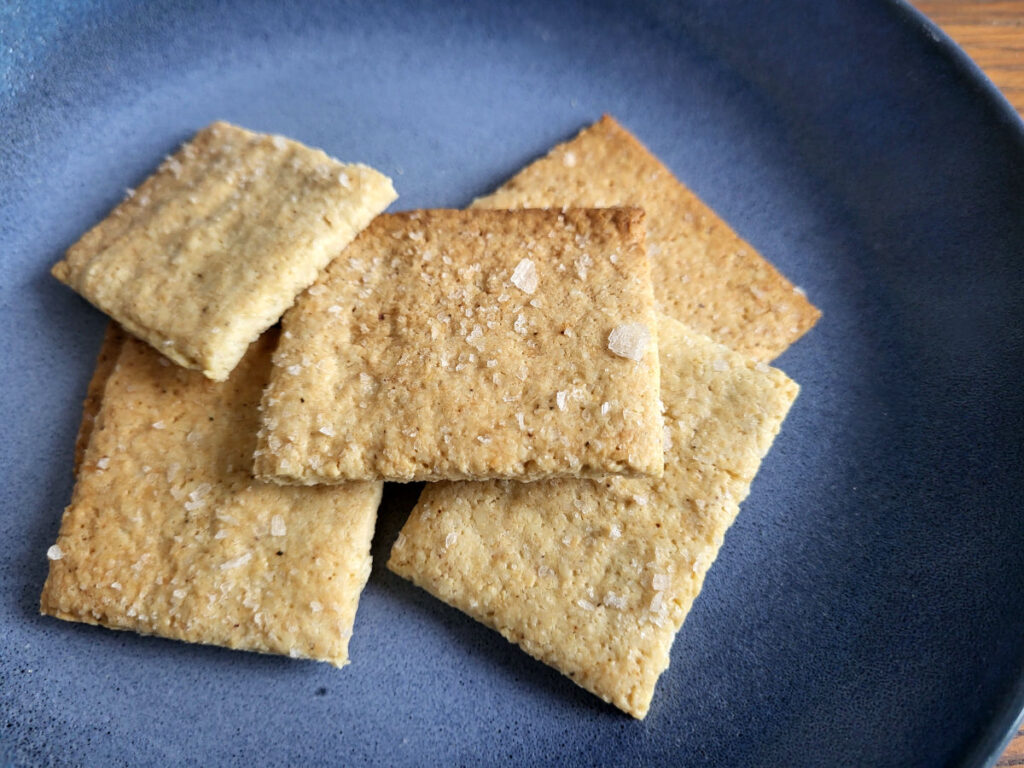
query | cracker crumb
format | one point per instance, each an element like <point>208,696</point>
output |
<point>629,340</point>
<point>524,277</point>
<point>55,552</point>
<point>277,526</point>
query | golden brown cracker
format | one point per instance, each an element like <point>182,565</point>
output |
<point>596,577</point>
<point>705,275</point>
<point>168,534</point>
<point>211,249</point>
<point>471,344</point>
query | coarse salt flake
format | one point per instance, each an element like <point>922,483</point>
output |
<point>586,605</point>
<point>55,553</point>
<point>524,277</point>
<point>236,562</point>
<point>660,582</point>
<point>629,340</point>
<point>449,540</point>
<point>560,399</point>
<point>158,425</point>
<point>315,606</point>
<point>103,463</point>
<point>326,429</point>
<point>277,526</point>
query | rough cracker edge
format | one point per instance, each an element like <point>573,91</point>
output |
<point>106,360</point>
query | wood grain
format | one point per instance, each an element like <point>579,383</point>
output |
<point>992,33</point>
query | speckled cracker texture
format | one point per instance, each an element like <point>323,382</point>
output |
<point>213,248</point>
<point>596,577</point>
<point>705,275</point>
<point>168,534</point>
<point>470,345</point>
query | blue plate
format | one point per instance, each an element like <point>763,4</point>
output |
<point>868,605</point>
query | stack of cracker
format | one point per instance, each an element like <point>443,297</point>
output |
<point>576,365</point>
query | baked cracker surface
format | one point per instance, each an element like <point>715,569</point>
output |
<point>596,577</point>
<point>168,534</point>
<point>705,275</point>
<point>471,344</point>
<point>212,248</point>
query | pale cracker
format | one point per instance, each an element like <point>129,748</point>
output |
<point>705,275</point>
<point>596,577</point>
<point>469,344</point>
<point>213,248</point>
<point>168,534</point>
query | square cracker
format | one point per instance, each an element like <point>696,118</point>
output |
<point>596,577</point>
<point>167,534</point>
<point>705,275</point>
<point>215,246</point>
<point>469,345</point>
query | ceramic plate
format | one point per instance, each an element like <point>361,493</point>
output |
<point>868,605</point>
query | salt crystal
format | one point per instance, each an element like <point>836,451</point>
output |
<point>524,277</point>
<point>492,363</point>
<point>615,531</point>
<point>569,159</point>
<point>520,324</point>
<point>762,367</point>
<point>798,290</point>
<point>660,582</point>
<point>484,439</point>
<point>55,552</point>
<point>158,425</point>
<point>326,429</point>
<point>521,421</point>
<point>666,439</point>
<point>294,369</point>
<point>334,309</point>
<point>179,594</point>
<point>474,337</point>
<point>629,340</point>
<point>236,562</point>
<point>586,605</point>
<point>278,142</point>
<point>316,289</point>
<point>277,526</point>
<point>614,601</point>
<point>103,463</point>
<point>605,407</point>
<point>344,180</point>
<point>115,585</point>
<point>720,364</point>
<point>560,399</point>
<point>449,540</point>
<point>658,602</point>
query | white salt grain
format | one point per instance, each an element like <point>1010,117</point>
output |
<point>236,562</point>
<point>586,605</point>
<point>475,336</point>
<point>103,463</point>
<point>326,429</point>
<point>660,582</point>
<point>55,553</point>
<point>720,364</point>
<point>158,425</point>
<point>605,407</point>
<point>524,277</point>
<point>277,526</point>
<point>520,324</point>
<point>614,601</point>
<point>560,399</point>
<point>449,540</point>
<point>629,340</point>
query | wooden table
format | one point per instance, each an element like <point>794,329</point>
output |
<point>992,33</point>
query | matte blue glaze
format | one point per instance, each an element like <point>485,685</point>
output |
<point>866,608</point>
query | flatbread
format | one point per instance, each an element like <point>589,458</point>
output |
<point>168,534</point>
<point>212,249</point>
<point>596,577</point>
<point>705,275</point>
<point>471,344</point>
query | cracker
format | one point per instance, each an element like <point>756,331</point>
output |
<point>470,344</point>
<point>113,338</point>
<point>167,533</point>
<point>213,248</point>
<point>705,275</point>
<point>596,577</point>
